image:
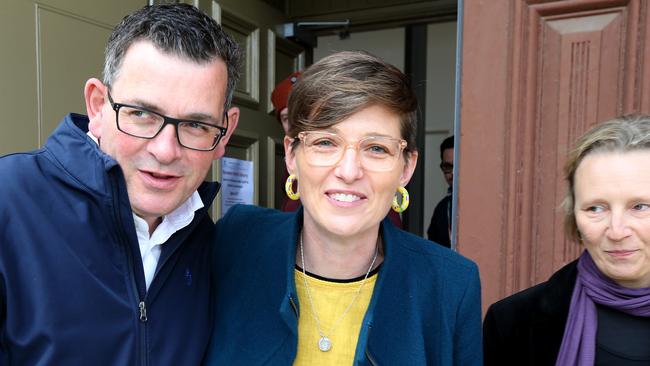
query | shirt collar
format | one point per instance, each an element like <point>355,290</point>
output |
<point>92,137</point>
<point>171,223</point>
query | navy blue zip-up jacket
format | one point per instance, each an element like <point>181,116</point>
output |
<point>72,289</point>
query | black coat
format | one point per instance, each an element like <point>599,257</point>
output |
<point>527,327</point>
<point>438,231</point>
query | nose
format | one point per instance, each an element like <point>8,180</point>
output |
<point>165,147</point>
<point>618,227</point>
<point>449,176</point>
<point>349,167</point>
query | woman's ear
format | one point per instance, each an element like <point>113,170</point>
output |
<point>409,168</point>
<point>289,155</point>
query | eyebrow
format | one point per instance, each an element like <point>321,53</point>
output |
<point>195,116</point>
<point>339,133</point>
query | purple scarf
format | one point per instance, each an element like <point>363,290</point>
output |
<point>592,287</point>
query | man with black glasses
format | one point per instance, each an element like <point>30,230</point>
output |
<point>440,227</point>
<point>104,242</point>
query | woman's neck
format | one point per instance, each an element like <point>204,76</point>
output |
<point>337,257</point>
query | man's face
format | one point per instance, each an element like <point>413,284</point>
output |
<point>284,120</point>
<point>447,165</point>
<point>160,174</point>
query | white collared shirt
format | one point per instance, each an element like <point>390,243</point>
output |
<point>150,245</point>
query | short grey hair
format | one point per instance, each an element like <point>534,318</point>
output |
<point>177,29</point>
<point>621,134</point>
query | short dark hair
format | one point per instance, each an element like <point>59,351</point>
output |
<point>447,143</point>
<point>343,84</point>
<point>178,29</point>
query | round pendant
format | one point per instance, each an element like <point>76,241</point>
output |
<point>324,344</point>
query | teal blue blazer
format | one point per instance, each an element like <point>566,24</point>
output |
<point>425,308</point>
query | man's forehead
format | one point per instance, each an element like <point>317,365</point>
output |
<point>169,84</point>
<point>448,155</point>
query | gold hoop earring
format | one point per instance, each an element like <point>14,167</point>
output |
<point>401,207</point>
<point>288,187</point>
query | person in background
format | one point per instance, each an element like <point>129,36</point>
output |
<point>105,238</point>
<point>336,283</point>
<point>280,98</point>
<point>439,230</point>
<point>596,309</point>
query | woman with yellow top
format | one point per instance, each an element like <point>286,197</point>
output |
<point>335,283</point>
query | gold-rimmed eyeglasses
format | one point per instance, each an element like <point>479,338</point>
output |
<point>376,153</point>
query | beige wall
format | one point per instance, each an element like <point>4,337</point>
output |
<point>51,47</point>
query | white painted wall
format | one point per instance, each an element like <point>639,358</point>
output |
<point>441,55</point>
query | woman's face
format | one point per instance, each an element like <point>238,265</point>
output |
<point>346,199</point>
<point>612,210</point>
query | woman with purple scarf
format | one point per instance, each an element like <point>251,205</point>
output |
<point>595,310</point>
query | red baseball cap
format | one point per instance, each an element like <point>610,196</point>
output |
<point>280,95</point>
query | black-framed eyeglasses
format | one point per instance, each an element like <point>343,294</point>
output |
<point>140,122</point>
<point>447,168</point>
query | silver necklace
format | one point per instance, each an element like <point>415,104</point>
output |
<point>324,343</point>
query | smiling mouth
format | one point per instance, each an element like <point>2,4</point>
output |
<point>620,253</point>
<point>160,176</point>
<point>159,181</point>
<point>341,197</point>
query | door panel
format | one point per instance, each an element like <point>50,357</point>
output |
<point>51,48</point>
<point>62,73</point>
<point>268,60</point>
<point>535,76</point>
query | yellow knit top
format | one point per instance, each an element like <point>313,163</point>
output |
<point>330,301</point>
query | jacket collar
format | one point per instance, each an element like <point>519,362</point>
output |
<point>378,326</point>
<point>289,307</point>
<point>88,164</point>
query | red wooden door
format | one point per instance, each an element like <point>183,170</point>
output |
<point>535,75</point>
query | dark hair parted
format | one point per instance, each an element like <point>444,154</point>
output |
<point>177,29</point>
<point>621,134</point>
<point>447,143</point>
<point>343,84</point>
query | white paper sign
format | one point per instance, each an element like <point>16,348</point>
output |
<point>236,183</point>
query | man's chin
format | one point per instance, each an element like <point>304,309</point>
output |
<point>153,211</point>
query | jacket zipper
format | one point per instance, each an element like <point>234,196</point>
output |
<point>142,308</point>
<point>143,311</point>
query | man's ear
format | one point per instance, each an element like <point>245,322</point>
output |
<point>409,168</point>
<point>94,94</point>
<point>233,120</point>
<point>289,155</point>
